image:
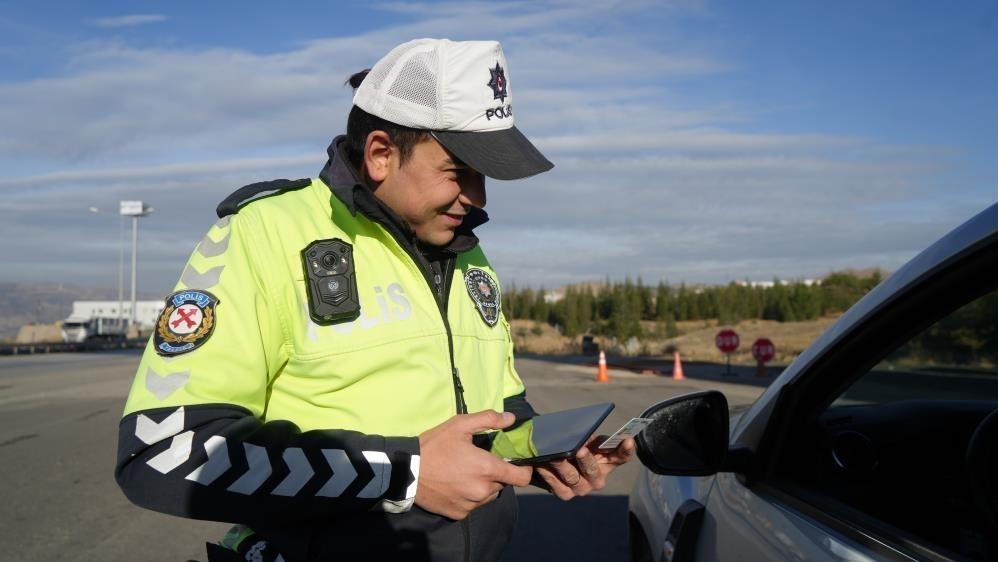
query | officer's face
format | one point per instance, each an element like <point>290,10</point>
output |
<point>432,190</point>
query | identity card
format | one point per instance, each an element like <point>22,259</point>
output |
<point>630,429</point>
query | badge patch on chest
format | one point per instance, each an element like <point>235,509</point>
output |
<point>485,293</point>
<point>186,323</point>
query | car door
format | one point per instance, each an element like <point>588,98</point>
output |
<point>862,453</point>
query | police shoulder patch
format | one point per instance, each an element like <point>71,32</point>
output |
<point>186,322</point>
<point>484,291</point>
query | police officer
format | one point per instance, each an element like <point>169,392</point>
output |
<point>333,344</point>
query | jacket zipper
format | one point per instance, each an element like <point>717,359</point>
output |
<point>466,528</point>
<point>440,281</point>
<point>436,285</point>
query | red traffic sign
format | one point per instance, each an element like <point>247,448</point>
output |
<point>763,350</point>
<point>727,341</point>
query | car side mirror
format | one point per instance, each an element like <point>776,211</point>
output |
<point>688,437</point>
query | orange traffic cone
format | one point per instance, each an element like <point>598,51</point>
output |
<point>677,367</point>
<point>601,375</point>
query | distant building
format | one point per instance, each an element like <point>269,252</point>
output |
<point>146,311</point>
<point>554,296</point>
<point>771,284</point>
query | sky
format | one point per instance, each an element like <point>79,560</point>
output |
<point>693,141</point>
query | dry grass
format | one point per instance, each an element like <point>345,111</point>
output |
<point>534,337</point>
<point>695,341</point>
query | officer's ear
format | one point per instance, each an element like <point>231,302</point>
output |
<point>379,155</point>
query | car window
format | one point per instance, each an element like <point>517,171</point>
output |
<point>954,359</point>
<point>890,451</point>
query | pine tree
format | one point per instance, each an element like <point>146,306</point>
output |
<point>624,318</point>
<point>570,313</point>
<point>585,309</point>
<point>663,302</point>
<point>539,310</point>
<point>682,303</point>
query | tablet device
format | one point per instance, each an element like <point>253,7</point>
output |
<point>549,437</point>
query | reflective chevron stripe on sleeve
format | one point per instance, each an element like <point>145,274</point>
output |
<point>217,464</point>
<point>258,466</point>
<point>393,506</point>
<point>162,386</point>
<point>150,432</point>
<point>300,472</point>
<point>343,473</point>
<point>258,472</point>
<point>194,279</point>
<point>178,453</point>
<point>210,249</point>
<point>382,474</point>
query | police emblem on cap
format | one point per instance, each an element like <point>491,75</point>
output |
<point>186,322</point>
<point>498,83</point>
<point>485,293</point>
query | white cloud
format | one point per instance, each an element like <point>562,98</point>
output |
<point>128,21</point>
<point>693,140</point>
<point>72,179</point>
<point>649,179</point>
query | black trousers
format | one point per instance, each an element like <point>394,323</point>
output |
<point>416,535</point>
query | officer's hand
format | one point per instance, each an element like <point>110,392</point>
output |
<point>587,471</point>
<point>455,476</point>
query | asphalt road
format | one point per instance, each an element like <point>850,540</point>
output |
<point>58,433</point>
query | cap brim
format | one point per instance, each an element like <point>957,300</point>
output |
<point>501,155</point>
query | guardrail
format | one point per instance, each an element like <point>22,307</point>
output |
<point>59,347</point>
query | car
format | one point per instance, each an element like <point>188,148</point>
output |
<point>878,442</point>
<point>589,345</point>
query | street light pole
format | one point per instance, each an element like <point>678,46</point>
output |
<point>121,274</point>
<point>121,268</point>
<point>134,209</point>
<point>135,251</point>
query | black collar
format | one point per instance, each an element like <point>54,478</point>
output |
<point>345,183</point>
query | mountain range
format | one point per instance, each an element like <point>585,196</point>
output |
<point>45,303</point>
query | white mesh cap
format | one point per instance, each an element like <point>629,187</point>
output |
<point>461,92</point>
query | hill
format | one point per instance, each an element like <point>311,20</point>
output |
<point>695,339</point>
<point>44,303</point>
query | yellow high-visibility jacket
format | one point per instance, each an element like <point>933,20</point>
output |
<point>246,409</point>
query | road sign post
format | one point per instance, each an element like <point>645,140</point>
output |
<point>727,342</point>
